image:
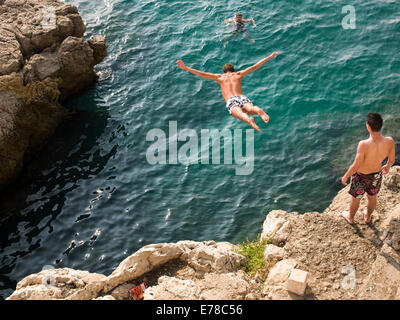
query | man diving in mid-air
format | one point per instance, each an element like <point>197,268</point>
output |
<point>237,104</point>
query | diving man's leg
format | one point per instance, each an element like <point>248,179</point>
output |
<point>250,109</point>
<point>239,114</point>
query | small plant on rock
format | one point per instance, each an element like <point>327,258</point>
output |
<point>253,251</point>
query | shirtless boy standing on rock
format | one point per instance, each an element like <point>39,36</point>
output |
<point>367,170</point>
<point>230,81</point>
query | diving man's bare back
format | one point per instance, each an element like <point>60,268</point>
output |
<point>231,84</point>
<point>231,88</point>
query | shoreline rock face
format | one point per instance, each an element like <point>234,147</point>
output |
<point>209,259</point>
<point>44,59</point>
<point>343,261</point>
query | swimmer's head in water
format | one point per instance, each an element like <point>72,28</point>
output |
<point>239,16</point>
<point>228,67</point>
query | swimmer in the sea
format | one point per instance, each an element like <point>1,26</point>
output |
<point>239,22</point>
<point>237,104</point>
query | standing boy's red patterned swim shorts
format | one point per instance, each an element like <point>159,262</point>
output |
<point>369,183</point>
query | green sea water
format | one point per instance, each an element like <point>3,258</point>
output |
<point>91,198</point>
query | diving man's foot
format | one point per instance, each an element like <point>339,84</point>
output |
<point>265,118</point>
<point>253,124</point>
<point>263,115</point>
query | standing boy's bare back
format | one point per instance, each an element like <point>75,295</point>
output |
<point>375,151</point>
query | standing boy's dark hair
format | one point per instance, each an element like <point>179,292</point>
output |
<point>228,67</point>
<point>375,121</point>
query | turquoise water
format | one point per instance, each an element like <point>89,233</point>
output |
<point>90,198</point>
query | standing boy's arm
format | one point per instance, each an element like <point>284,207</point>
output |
<point>391,158</point>
<point>358,161</point>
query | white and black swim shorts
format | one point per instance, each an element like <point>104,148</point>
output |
<point>238,101</point>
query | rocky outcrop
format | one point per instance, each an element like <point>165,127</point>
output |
<point>274,253</point>
<point>213,286</point>
<point>44,59</point>
<point>342,261</point>
<point>57,284</point>
<point>208,260</point>
<point>276,282</point>
<point>277,226</point>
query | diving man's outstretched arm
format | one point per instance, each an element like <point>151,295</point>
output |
<point>206,75</point>
<point>259,64</point>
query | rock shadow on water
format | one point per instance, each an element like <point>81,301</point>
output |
<point>37,197</point>
<point>51,167</point>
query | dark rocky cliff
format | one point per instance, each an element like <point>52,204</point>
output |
<point>44,59</point>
